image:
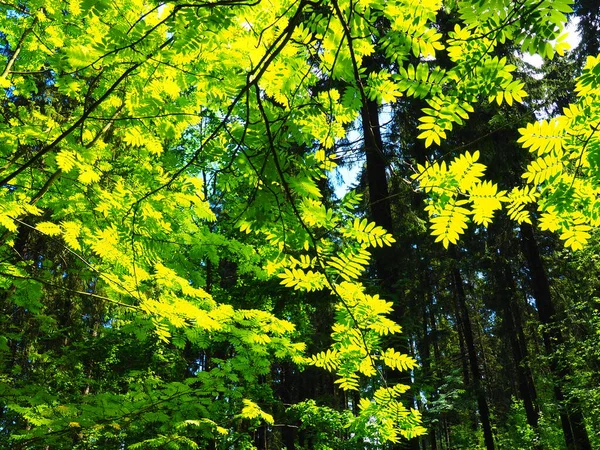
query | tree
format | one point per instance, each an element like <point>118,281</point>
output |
<point>157,155</point>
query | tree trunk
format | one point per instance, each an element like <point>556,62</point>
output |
<point>514,331</point>
<point>572,420</point>
<point>381,214</point>
<point>484,411</point>
<point>425,353</point>
<point>379,201</point>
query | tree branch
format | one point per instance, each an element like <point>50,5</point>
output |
<point>18,48</point>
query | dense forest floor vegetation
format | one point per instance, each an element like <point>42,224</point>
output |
<point>177,272</point>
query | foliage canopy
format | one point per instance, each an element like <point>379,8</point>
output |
<point>146,144</point>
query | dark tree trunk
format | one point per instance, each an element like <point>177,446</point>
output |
<point>464,359</point>
<point>381,214</point>
<point>425,353</point>
<point>572,420</point>
<point>288,386</point>
<point>431,333</point>
<point>482,404</point>
<point>514,331</point>
<point>379,201</point>
<point>446,433</point>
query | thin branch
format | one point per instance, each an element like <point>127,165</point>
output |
<point>305,227</point>
<point>252,79</point>
<point>580,159</point>
<point>79,257</point>
<point>18,48</point>
<point>74,291</point>
<point>78,122</point>
<point>45,187</point>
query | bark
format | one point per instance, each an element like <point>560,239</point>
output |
<point>514,330</point>
<point>461,345</point>
<point>379,201</point>
<point>381,214</point>
<point>426,363</point>
<point>446,433</point>
<point>464,358</point>
<point>571,416</point>
<point>482,404</point>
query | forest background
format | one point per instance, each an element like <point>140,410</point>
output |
<point>177,272</point>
